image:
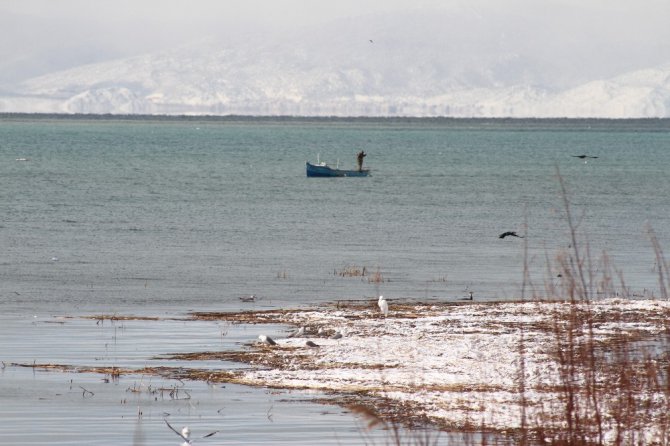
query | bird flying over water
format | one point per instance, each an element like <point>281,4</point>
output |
<point>584,156</point>
<point>509,233</point>
<point>185,433</point>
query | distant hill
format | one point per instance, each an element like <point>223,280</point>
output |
<point>411,65</point>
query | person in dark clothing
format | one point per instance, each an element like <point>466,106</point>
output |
<point>360,157</point>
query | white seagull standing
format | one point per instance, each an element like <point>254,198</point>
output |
<point>298,333</point>
<point>267,339</point>
<point>383,305</point>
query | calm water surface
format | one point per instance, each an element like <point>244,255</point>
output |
<point>163,216</point>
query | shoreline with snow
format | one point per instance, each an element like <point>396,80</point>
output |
<point>461,366</point>
<point>586,372</point>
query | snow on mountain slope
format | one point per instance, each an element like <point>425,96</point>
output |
<point>372,67</point>
<point>331,93</point>
<point>643,93</point>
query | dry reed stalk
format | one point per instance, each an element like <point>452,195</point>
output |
<point>352,271</point>
<point>611,393</point>
<point>661,263</point>
<point>376,277</point>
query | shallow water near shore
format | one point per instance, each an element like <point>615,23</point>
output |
<point>160,217</point>
<point>52,407</point>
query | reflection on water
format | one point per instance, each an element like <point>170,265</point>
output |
<point>40,407</point>
<point>69,409</point>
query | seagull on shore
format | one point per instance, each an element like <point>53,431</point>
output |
<point>383,305</point>
<point>185,434</point>
<point>267,339</point>
<point>509,233</point>
<point>311,344</point>
<point>337,335</point>
<point>298,333</point>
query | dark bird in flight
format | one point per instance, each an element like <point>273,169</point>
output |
<point>510,233</point>
<point>584,156</point>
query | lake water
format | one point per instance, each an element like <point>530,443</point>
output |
<point>164,216</point>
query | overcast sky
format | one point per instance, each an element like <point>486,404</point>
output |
<point>185,11</point>
<point>39,36</point>
<point>190,13</point>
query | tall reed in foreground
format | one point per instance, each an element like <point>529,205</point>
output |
<point>610,393</point>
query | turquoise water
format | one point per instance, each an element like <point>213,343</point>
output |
<point>196,213</point>
<point>164,216</point>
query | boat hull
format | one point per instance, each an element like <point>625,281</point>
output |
<point>322,170</point>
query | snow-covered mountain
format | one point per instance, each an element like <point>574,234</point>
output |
<point>366,67</point>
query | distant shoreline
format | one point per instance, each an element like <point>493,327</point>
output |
<point>298,118</point>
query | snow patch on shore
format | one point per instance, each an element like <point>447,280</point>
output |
<point>460,364</point>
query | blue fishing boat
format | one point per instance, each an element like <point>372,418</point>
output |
<point>321,169</point>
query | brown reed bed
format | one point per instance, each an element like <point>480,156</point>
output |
<point>613,391</point>
<point>352,271</point>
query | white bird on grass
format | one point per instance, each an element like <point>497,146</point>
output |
<point>185,434</point>
<point>383,305</point>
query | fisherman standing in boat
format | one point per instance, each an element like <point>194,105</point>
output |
<point>360,157</point>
